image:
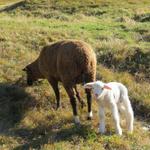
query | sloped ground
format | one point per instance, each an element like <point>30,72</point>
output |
<point>28,119</point>
<point>8,2</point>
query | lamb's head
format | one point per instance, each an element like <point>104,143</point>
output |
<point>97,87</point>
<point>31,77</point>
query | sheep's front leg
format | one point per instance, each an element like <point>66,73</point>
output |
<point>89,102</point>
<point>78,97</point>
<point>101,120</point>
<point>116,118</point>
<point>54,84</point>
<point>71,95</point>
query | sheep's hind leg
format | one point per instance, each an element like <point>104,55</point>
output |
<point>71,95</point>
<point>54,84</point>
<point>78,97</point>
<point>89,102</point>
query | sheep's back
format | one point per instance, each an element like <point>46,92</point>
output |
<point>76,61</point>
<point>69,59</point>
<point>48,60</point>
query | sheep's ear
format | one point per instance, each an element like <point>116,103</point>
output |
<point>107,87</point>
<point>24,69</point>
<point>88,85</point>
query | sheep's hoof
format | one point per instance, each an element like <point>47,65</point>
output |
<point>58,107</point>
<point>90,115</point>
<point>82,105</point>
<point>78,125</point>
<point>89,118</point>
<point>77,120</point>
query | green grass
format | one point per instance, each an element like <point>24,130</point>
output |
<point>118,31</point>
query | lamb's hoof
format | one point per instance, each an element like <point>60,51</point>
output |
<point>102,130</point>
<point>119,132</point>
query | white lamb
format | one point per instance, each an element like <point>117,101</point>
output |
<point>115,96</point>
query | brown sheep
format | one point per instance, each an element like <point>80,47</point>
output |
<point>70,62</point>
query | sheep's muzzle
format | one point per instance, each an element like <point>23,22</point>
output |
<point>29,82</point>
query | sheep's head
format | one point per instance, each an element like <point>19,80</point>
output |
<point>30,75</point>
<point>97,87</point>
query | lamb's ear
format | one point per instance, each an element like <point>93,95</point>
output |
<point>88,85</point>
<point>107,87</point>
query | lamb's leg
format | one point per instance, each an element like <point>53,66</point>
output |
<point>78,97</point>
<point>122,109</point>
<point>101,120</point>
<point>116,118</point>
<point>71,95</point>
<point>89,102</point>
<point>54,84</point>
<point>129,113</point>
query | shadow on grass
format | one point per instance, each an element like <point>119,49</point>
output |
<point>14,103</point>
<point>36,138</point>
<point>12,6</point>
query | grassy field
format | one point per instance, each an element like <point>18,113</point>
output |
<point>119,32</point>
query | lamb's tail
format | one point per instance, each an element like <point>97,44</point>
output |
<point>123,93</point>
